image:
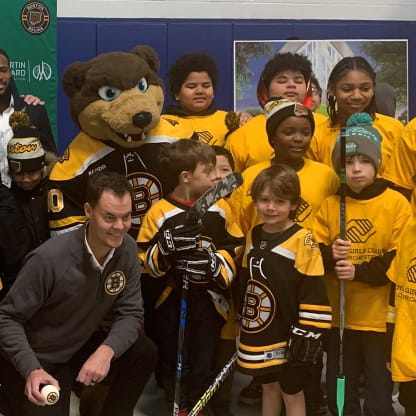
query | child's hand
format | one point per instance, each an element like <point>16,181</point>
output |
<point>340,249</point>
<point>244,117</point>
<point>32,100</point>
<point>345,270</point>
<point>180,238</point>
<point>202,264</point>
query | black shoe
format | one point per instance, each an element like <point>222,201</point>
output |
<point>251,394</point>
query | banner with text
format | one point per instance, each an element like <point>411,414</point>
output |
<point>28,33</point>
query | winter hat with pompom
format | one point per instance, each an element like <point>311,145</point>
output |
<point>361,138</point>
<point>24,150</point>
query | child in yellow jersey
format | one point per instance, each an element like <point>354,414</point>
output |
<point>193,80</point>
<point>285,308</point>
<point>375,216</point>
<point>403,358</point>
<point>351,89</point>
<point>290,126</point>
<point>171,246</point>
<point>285,75</point>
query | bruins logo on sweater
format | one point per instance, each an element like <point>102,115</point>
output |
<point>115,283</point>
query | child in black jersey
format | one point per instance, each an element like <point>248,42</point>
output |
<point>170,246</point>
<point>285,307</point>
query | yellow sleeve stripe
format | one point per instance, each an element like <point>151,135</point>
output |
<point>309,307</point>
<point>151,262</point>
<point>260,365</point>
<point>323,325</point>
<point>262,348</point>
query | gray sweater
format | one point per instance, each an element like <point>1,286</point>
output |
<point>59,299</point>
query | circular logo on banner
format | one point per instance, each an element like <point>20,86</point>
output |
<point>35,17</point>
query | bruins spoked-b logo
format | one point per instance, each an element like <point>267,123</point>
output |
<point>259,307</point>
<point>115,283</point>
<point>35,17</point>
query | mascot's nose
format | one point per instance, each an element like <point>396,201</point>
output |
<point>142,119</point>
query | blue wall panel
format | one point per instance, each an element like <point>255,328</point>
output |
<point>263,31</point>
<point>76,42</point>
<point>81,39</point>
<point>320,30</point>
<point>373,30</point>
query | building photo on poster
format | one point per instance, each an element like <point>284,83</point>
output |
<point>388,58</point>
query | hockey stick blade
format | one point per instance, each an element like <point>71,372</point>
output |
<point>220,190</point>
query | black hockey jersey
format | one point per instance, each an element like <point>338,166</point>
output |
<point>85,156</point>
<point>284,286</point>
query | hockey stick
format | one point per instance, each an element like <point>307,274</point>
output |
<point>221,189</point>
<point>214,386</point>
<point>181,338</point>
<point>343,184</point>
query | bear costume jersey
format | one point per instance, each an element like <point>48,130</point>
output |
<point>116,99</point>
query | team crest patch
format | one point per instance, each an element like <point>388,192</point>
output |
<point>146,191</point>
<point>35,17</point>
<point>310,241</point>
<point>300,110</point>
<point>411,271</point>
<point>115,283</point>
<point>259,307</point>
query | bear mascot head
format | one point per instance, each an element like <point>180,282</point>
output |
<point>116,99</point>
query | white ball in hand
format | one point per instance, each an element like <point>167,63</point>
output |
<point>50,393</point>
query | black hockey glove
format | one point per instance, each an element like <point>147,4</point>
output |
<point>305,345</point>
<point>180,238</point>
<point>201,264</point>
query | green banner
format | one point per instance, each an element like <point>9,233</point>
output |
<point>28,35</point>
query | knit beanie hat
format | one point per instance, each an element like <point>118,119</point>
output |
<point>361,139</point>
<point>278,109</point>
<point>24,150</point>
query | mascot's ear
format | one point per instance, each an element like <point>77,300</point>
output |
<point>73,77</point>
<point>148,54</point>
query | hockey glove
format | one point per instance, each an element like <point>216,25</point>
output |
<point>305,345</point>
<point>201,264</point>
<point>180,238</point>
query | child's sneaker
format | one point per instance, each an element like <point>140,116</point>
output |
<point>251,394</point>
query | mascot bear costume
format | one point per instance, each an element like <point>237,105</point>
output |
<point>116,99</point>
